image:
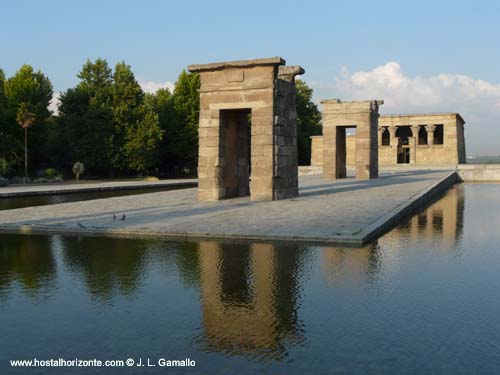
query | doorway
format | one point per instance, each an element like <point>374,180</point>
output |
<point>341,149</point>
<point>235,138</point>
<point>403,134</point>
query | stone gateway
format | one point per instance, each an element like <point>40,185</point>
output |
<point>339,116</point>
<point>247,130</point>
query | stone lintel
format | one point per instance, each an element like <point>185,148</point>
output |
<point>197,68</point>
<point>340,106</point>
<point>289,72</point>
<point>422,116</point>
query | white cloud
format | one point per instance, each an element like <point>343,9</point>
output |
<point>151,86</point>
<point>54,103</point>
<point>478,101</point>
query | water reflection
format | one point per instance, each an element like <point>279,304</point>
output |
<point>108,266</point>
<point>29,262</point>
<point>250,296</point>
<point>351,266</point>
<point>441,223</point>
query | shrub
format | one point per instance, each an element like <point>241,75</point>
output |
<point>78,169</point>
<point>51,173</point>
<point>5,167</point>
<point>3,181</point>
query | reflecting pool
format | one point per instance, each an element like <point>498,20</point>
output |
<point>424,298</point>
<point>43,200</point>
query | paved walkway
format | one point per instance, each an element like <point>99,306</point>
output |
<point>343,211</point>
<point>47,189</point>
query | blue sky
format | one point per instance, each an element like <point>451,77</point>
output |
<point>421,56</point>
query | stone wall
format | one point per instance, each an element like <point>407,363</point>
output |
<point>479,172</point>
<point>451,152</point>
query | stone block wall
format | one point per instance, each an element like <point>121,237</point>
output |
<point>265,90</point>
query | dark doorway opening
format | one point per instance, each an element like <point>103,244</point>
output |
<point>386,137</point>
<point>404,155</point>
<point>236,151</point>
<point>403,133</point>
<point>341,149</point>
<point>438,134</point>
<point>422,135</point>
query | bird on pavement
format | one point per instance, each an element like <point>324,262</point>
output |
<point>123,217</point>
<point>114,216</point>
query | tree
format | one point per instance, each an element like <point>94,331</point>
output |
<point>308,121</point>
<point>4,136</point>
<point>127,99</point>
<point>143,139</point>
<point>3,98</point>
<point>25,118</point>
<point>78,169</point>
<point>35,90</point>
<point>178,115</point>
<point>86,118</point>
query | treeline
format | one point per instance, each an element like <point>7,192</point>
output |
<point>111,125</point>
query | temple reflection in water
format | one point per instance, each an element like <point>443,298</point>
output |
<point>250,297</point>
<point>442,221</point>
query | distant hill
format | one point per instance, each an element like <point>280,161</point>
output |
<point>483,160</point>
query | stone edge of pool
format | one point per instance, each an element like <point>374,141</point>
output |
<point>367,234</point>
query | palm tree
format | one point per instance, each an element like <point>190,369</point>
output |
<point>26,119</point>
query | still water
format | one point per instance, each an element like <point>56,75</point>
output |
<point>43,200</point>
<point>424,298</point>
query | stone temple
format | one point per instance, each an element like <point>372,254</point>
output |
<point>247,130</point>
<point>411,139</point>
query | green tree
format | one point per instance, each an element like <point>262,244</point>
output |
<point>308,121</point>
<point>35,90</point>
<point>3,98</point>
<point>86,119</point>
<point>178,115</point>
<point>127,98</point>
<point>26,119</point>
<point>96,81</point>
<point>143,139</point>
<point>4,135</point>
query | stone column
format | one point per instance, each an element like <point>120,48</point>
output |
<point>430,134</point>
<point>210,155</point>
<point>329,151</point>
<point>413,144</point>
<point>367,147</point>
<point>394,143</point>
<point>262,153</point>
<point>380,132</point>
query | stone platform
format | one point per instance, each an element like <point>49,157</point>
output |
<point>348,211</point>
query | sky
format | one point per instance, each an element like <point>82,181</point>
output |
<point>420,56</point>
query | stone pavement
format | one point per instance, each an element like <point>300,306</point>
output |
<point>344,211</point>
<point>72,187</point>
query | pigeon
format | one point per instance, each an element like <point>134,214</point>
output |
<point>81,225</point>
<point>123,217</point>
<point>114,216</point>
